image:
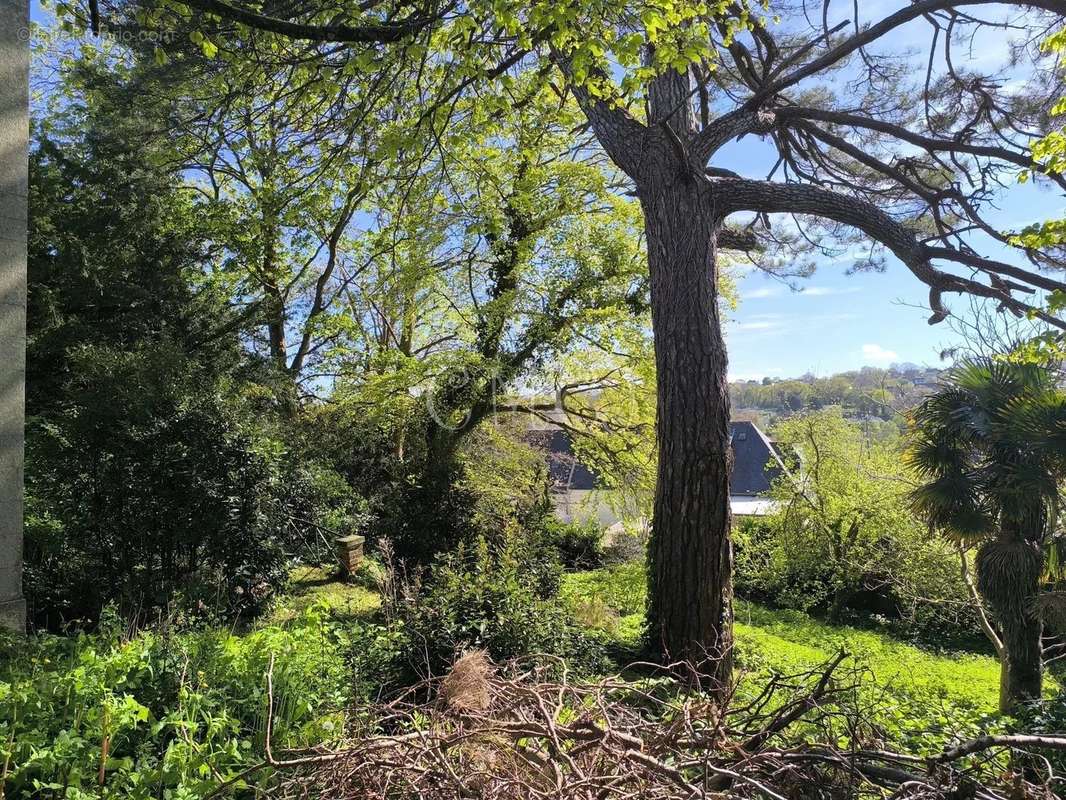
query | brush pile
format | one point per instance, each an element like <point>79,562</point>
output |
<point>523,730</point>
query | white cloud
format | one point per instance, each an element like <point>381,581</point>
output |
<point>761,326</point>
<point>825,291</point>
<point>759,294</point>
<point>758,325</point>
<point>875,352</point>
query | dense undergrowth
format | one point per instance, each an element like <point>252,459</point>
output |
<point>163,713</point>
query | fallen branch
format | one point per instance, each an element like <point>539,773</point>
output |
<point>517,730</point>
<point>1007,740</point>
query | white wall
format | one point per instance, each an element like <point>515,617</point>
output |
<point>581,505</point>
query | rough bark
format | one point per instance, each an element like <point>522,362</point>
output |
<point>1009,570</point>
<point>690,581</point>
<point>1024,660</point>
<point>690,598</point>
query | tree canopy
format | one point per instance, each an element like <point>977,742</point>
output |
<point>866,140</point>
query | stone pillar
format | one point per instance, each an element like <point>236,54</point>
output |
<point>349,554</point>
<point>14,146</point>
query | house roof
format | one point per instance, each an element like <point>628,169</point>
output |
<point>756,462</point>
<point>567,473</point>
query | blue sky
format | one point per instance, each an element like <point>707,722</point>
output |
<point>841,321</point>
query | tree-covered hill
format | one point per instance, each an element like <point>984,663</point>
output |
<point>871,395</point>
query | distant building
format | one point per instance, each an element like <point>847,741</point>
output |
<point>756,463</point>
<point>578,497</point>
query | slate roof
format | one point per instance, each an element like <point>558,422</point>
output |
<point>752,452</point>
<point>565,470</point>
<point>756,461</point>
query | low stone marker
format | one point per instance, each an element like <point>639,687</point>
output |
<point>350,553</point>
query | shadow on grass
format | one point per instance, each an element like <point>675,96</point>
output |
<point>342,599</point>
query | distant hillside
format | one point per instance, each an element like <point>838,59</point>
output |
<point>877,396</point>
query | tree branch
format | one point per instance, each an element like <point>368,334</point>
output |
<point>872,33</point>
<point>729,126</point>
<point>732,239</point>
<point>359,34</point>
<point>739,194</point>
<point>929,143</point>
<point>622,136</point>
<point>986,742</point>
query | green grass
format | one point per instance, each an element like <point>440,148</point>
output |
<point>912,696</point>
<point>908,695</point>
<point>796,641</point>
<point>319,586</point>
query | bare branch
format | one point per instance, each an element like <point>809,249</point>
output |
<point>986,742</point>
<point>929,143</point>
<point>874,32</point>
<point>739,194</point>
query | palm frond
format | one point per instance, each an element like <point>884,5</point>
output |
<point>990,447</point>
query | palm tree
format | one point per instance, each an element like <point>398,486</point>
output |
<point>990,449</point>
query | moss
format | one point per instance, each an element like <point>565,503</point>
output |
<point>310,586</point>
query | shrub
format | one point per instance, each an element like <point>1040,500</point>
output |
<point>1047,717</point>
<point>917,593</point>
<point>487,596</point>
<point>752,542</point>
<point>579,544</point>
<point>149,716</point>
<point>844,540</point>
<point>629,544</point>
<point>145,486</point>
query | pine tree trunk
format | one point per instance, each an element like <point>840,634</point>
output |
<point>690,572</point>
<point>690,581</point>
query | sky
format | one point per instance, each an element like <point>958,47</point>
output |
<point>836,321</point>
<point>839,322</point>
<point>842,322</point>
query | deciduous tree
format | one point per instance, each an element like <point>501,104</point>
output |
<point>864,142</point>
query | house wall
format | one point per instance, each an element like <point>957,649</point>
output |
<point>580,506</point>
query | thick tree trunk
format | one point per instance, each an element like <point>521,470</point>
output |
<point>1024,663</point>
<point>275,322</point>
<point>690,572</point>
